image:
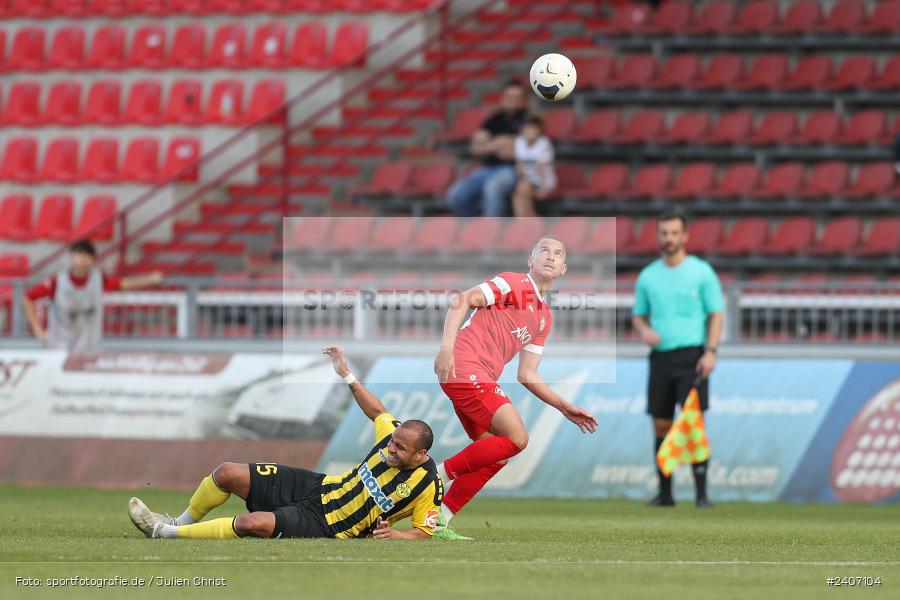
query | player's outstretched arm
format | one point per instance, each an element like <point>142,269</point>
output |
<point>384,531</point>
<point>367,401</point>
<point>529,377</point>
<point>444,364</point>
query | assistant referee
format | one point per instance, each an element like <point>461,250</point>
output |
<point>678,313</point>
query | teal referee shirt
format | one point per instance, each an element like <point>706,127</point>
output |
<point>678,300</point>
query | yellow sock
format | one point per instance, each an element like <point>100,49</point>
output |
<point>207,497</point>
<point>216,529</point>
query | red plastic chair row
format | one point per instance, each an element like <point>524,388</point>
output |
<point>727,71</point>
<point>150,49</point>
<point>55,218</point>
<point>67,104</point>
<point>754,18</point>
<point>63,161</point>
<point>162,8</point>
<point>408,180</point>
<point>648,126</point>
<point>829,179</point>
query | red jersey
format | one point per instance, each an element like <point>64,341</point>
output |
<point>47,288</point>
<point>516,318</point>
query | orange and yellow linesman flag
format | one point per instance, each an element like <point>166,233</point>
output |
<point>686,441</point>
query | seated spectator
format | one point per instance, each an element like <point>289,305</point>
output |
<point>486,190</point>
<point>534,167</point>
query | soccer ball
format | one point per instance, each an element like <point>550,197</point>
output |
<point>553,77</point>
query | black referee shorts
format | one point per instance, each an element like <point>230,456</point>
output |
<point>672,374</point>
<point>294,495</point>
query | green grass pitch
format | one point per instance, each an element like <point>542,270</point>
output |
<point>524,549</point>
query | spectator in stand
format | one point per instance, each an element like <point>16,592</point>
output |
<point>486,191</point>
<point>534,167</point>
<point>75,314</point>
<point>895,154</point>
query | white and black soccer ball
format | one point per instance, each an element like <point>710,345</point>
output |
<point>553,77</point>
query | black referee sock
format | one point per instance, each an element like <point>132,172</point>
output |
<point>665,483</point>
<point>699,470</point>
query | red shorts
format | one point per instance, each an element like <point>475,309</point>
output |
<point>475,402</point>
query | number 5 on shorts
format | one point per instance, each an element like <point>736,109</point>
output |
<point>268,470</point>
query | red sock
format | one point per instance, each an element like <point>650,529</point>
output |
<point>480,453</point>
<point>466,486</point>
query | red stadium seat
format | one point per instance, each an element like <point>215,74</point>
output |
<point>27,52</point>
<point>111,8</point>
<point>635,71</point>
<point>883,239</point>
<point>846,16</point>
<point>767,72</point>
<point>520,234</point>
<point>309,46</point>
<point>570,178</point>
<point>268,95</point>
<point>437,234</point>
<point>389,179</point>
<point>839,236</point>
<point>188,7</point>
<point>694,181</point>
<point>27,8</point>
<point>746,237</point>
<point>650,181</point>
<point>349,234</point>
<point>609,235</point>
<point>184,105</point>
<point>885,19</point>
<point>644,126</point>
<point>144,104</point>
<point>781,181</point>
<point>61,161</point>
<point>738,181</point>
<point>67,48</point>
<point>810,73</point>
<point>269,45</point>
<point>627,19</point>
<point>820,128</point>
<point>688,128</point>
<point>644,241</point>
<point>309,234</point>
<point>706,236</point>
<point>182,152</point>
<point>14,264</point>
<point>801,17</point>
<point>855,73</point>
<point>722,72</point>
<point>560,123</point>
<point>478,235</point>
<point>24,104</point>
<point>15,217</point>
<point>679,72</point>
<point>350,43</point>
<point>20,160</point>
<point>594,71</point>
<point>226,102</point>
<point>826,180</point>
<point>874,180</point>
<point>607,181</point>
<point>731,128</point>
<point>107,48</point>
<point>889,77</point>
<point>429,180</point>
<point>571,231</point>
<point>103,102</point>
<point>393,234</point>
<point>101,162</point>
<point>777,127</point>
<point>54,220</point>
<point>713,18</point>
<point>64,103</point>
<point>230,7</point>
<point>189,47</point>
<point>148,48</point>
<point>96,219</point>
<point>141,162</point>
<point>792,236</point>
<point>228,46</point>
<point>755,18</point>
<point>867,127</point>
<point>467,121</point>
<point>672,17</point>
<point>600,126</point>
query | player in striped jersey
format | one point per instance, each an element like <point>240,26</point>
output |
<point>396,479</point>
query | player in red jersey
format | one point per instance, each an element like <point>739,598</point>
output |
<point>511,317</point>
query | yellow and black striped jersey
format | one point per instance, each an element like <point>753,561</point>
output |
<point>354,500</point>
